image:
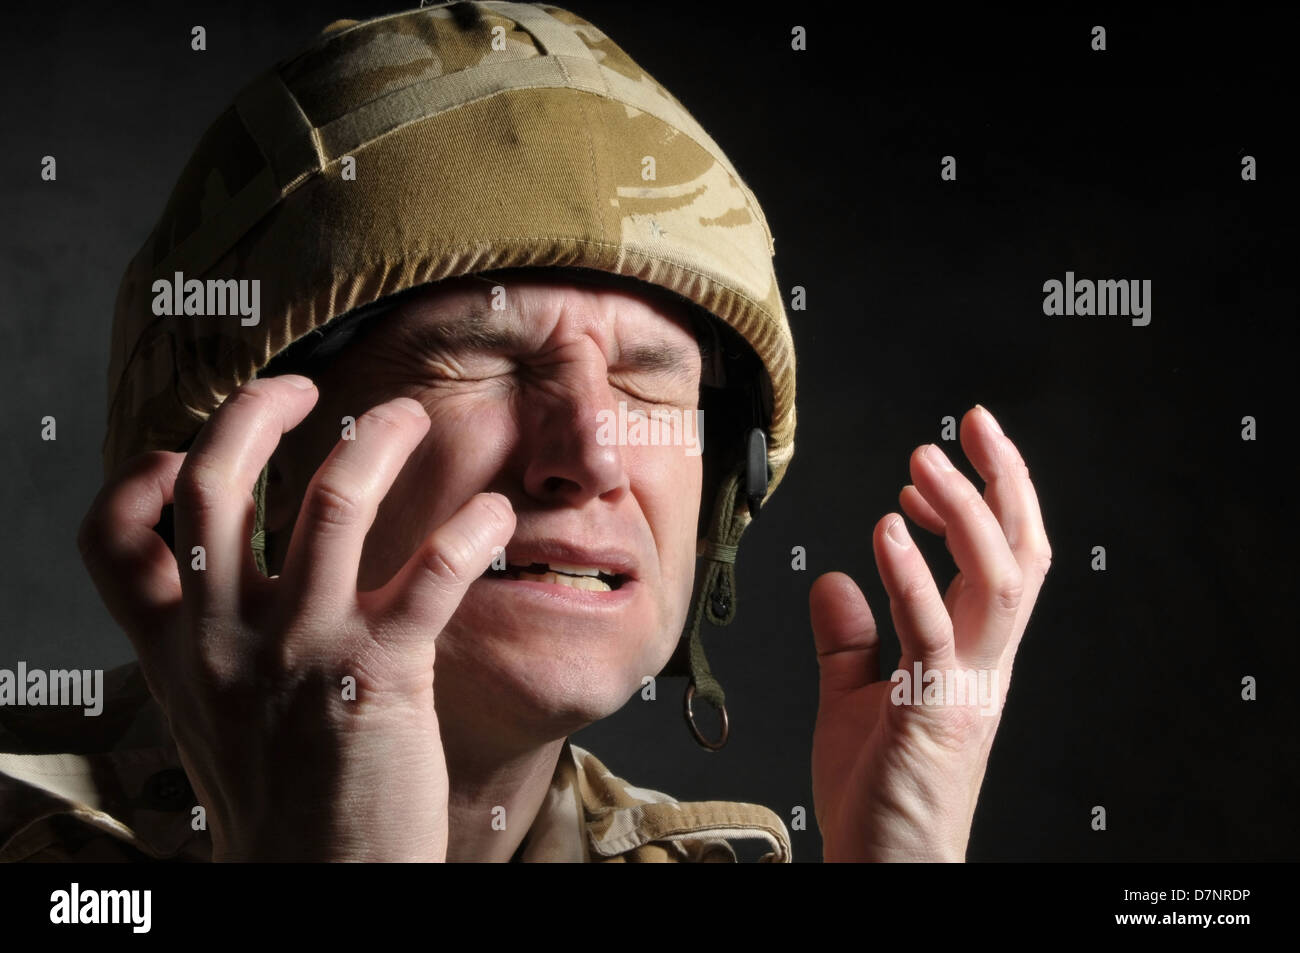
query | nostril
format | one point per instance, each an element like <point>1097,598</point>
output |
<point>556,484</point>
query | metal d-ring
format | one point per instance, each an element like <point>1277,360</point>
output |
<point>695,730</point>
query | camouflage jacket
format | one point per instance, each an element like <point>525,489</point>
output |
<point>111,788</point>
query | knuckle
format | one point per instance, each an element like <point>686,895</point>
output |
<point>377,668</point>
<point>215,672</point>
<point>971,505</point>
<point>141,466</point>
<point>328,503</point>
<point>1008,590</point>
<point>199,485</point>
<point>282,660</point>
<point>932,729</point>
<point>104,518</point>
<point>252,400</point>
<point>913,588</point>
<point>153,460</point>
<point>446,560</point>
<point>253,394</point>
<point>386,419</point>
<point>956,728</point>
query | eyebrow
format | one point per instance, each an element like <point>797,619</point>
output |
<point>478,327</point>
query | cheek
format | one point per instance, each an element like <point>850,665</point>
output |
<point>459,456</point>
<point>670,482</point>
<point>670,499</point>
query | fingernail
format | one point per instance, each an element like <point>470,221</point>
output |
<point>298,381</point>
<point>938,458</point>
<point>897,532</point>
<point>412,407</point>
<point>989,417</point>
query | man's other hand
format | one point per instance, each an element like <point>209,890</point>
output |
<point>897,764</point>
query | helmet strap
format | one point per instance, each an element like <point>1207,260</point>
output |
<point>715,599</point>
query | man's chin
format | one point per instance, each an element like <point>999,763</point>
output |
<point>536,703</point>
<point>534,651</point>
<point>541,673</point>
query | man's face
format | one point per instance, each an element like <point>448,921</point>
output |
<point>514,397</point>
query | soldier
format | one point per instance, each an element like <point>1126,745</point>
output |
<point>475,229</point>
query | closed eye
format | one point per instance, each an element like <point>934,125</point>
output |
<point>664,400</point>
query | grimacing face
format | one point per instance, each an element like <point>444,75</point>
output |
<point>513,397</point>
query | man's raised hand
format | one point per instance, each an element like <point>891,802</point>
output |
<point>252,672</point>
<point>900,781</point>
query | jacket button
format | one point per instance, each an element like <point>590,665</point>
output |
<point>169,790</point>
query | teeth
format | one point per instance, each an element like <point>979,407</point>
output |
<point>576,570</point>
<point>588,582</point>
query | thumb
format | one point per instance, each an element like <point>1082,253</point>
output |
<point>844,631</point>
<point>428,589</point>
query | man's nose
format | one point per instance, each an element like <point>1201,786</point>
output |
<point>569,456</point>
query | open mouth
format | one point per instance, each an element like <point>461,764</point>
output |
<point>575,577</point>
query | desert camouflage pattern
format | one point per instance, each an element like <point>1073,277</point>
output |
<point>485,135</point>
<point>112,788</point>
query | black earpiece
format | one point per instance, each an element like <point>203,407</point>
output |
<point>757,473</point>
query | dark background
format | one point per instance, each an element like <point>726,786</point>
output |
<point>924,297</point>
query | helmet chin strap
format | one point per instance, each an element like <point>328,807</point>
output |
<point>715,598</point>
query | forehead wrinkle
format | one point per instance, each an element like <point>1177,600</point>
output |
<point>475,325</point>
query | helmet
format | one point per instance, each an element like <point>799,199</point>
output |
<point>444,141</point>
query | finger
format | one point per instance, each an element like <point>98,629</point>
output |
<point>980,549</point>
<point>921,512</point>
<point>955,589</point>
<point>426,591</point>
<point>130,564</point>
<point>923,625</point>
<point>341,502</point>
<point>214,505</point>
<point>1011,497</point>
<point>844,632</point>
